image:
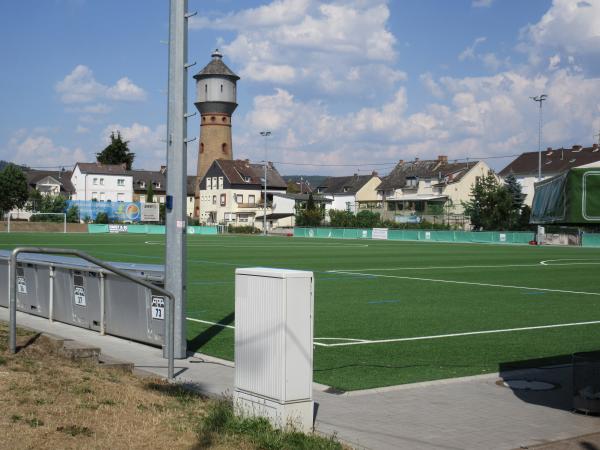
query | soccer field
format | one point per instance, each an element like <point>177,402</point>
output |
<point>390,312</point>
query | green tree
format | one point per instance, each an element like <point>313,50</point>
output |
<point>73,214</point>
<point>50,204</point>
<point>292,188</point>
<point>13,188</point>
<point>101,217</point>
<point>150,194</point>
<point>341,218</point>
<point>311,216</point>
<point>117,152</point>
<point>516,193</point>
<point>367,219</point>
<point>492,205</point>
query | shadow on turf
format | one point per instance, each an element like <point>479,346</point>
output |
<point>556,370</point>
<point>207,335</point>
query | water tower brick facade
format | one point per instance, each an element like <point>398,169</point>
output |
<point>216,102</point>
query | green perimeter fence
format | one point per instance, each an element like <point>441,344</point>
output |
<point>499,237</point>
<point>145,229</point>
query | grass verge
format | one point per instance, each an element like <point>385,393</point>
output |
<point>51,402</point>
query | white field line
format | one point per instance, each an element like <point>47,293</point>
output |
<point>470,333</point>
<point>434,267</point>
<point>471,283</point>
<point>231,327</point>
<point>552,262</point>
<point>211,323</point>
<point>549,262</point>
<point>263,245</point>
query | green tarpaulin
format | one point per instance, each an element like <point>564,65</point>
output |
<point>572,197</point>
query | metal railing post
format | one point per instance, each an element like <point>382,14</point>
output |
<point>51,299</point>
<point>12,305</point>
<point>102,302</point>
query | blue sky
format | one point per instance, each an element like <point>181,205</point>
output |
<point>338,82</point>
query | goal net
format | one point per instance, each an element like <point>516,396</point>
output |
<point>45,222</point>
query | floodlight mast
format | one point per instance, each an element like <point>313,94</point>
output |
<point>176,220</point>
<point>265,134</point>
<point>540,99</point>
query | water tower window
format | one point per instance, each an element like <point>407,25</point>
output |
<point>224,148</point>
<point>201,147</point>
<point>212,118</point>
<point>224,119</point>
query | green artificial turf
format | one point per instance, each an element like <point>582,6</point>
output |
<point>379,290</point>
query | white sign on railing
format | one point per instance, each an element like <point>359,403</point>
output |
<point>150,212</point>
<point>380,233</point>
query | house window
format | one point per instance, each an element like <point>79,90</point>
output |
<point>206,88</point>
<point>214,183</point>
<point>221,88</point>
<point>142,198</point>
<point>101,196</point>
<point>220,182</point>
<point>94,196</point>
<point>120,197</point>
<point>101,181</point>
<point>239,198</point>
<point>142,184</point>
<point>242,217</point>
<point>246,179</point>
<point>223,200</point>
<point>208,183</point>
<point>251,199</point>
<point>95,182</point>
<point>214,200</point>
<point>120,182</point>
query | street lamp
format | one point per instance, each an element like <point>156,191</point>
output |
<point>540,99</point>
<point>265,134</point>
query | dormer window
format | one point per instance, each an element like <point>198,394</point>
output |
<point>346,189</point>
<point>142,184</point>
<point>246,179</point>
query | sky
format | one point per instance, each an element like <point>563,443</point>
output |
<point>344,86</point>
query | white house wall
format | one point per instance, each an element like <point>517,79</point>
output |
<point>101,187</point>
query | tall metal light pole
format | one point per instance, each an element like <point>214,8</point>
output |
<point>540,99</point>
<point>265,134</point>
<point>175,252</point>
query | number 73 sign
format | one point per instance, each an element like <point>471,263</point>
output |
<point>158,307</point>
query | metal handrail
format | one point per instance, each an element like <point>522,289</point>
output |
<point>169,341</point>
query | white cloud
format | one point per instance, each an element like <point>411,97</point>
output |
<point>81,129</point>
<point>481,3</point>
<point>432,86</point>
<point>312,43</point>
<point>569,28</point>
<point>125,90</point>
<point>98,108</point>
<point>80,86</point>
<point>148,144</point>
<point>37,150</point>
<point>469,52</point>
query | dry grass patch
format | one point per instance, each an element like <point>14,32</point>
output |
<point>51,402</point>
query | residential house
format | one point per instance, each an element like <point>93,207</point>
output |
<point>554,161</point>
<point>190,195</point>
<point>351,193</point>
<point>102,182</point>
<point>421,188</point>
<point>231,192</point>
<point>143,179</point>
<point>285,206</point>
<point>50,182</point>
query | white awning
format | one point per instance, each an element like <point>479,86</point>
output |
<point>416,198</point>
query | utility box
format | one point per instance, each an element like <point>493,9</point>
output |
<point>274,346</point>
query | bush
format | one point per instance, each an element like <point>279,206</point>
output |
<point>101,217</point>
<point>243,229</point>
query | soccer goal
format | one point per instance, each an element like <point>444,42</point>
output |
<point>38,221</point>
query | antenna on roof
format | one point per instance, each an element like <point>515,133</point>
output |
<point>598,136</point>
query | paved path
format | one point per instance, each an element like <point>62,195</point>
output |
<point>465,413</point>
